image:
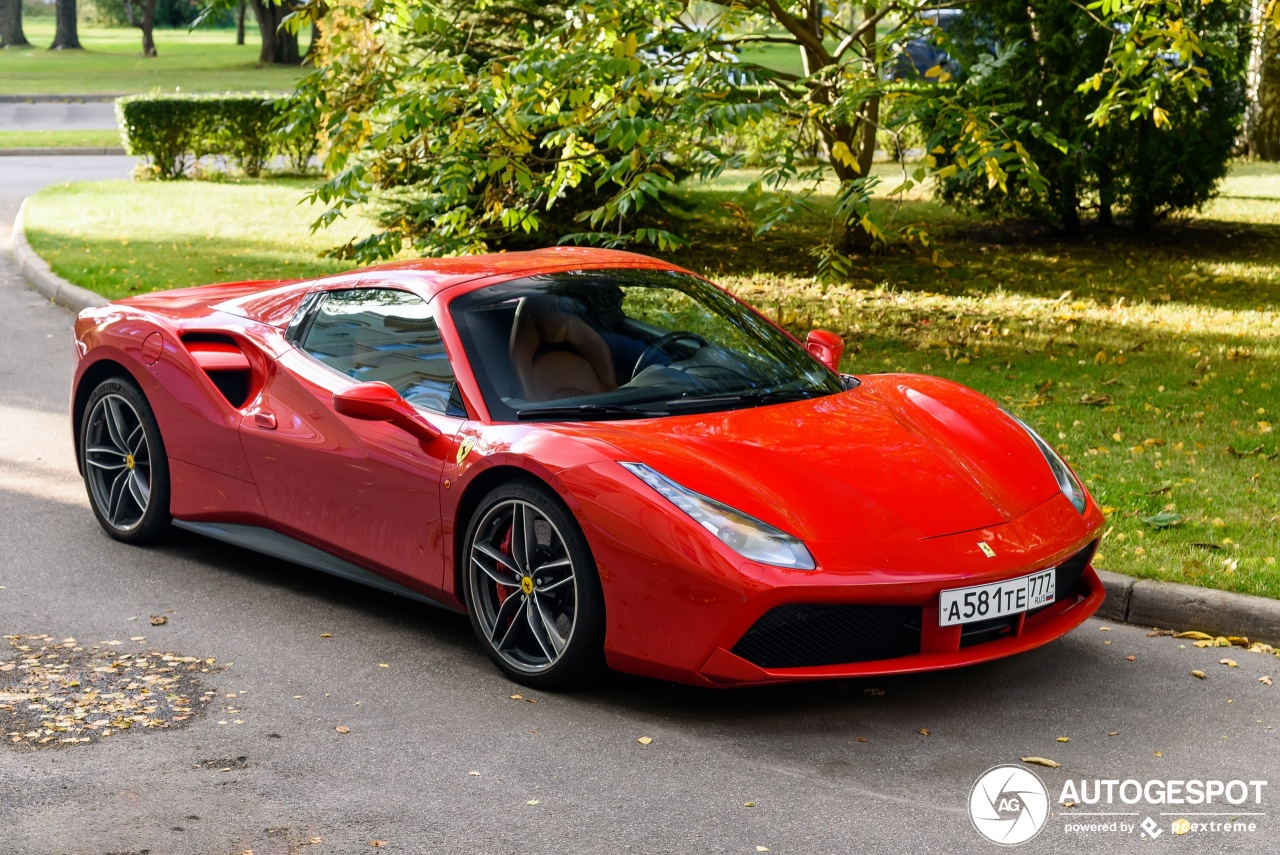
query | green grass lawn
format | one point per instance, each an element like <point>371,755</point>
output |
<point>1153,365</point>
<point>200,61</point>
<point>120,238</point>
<point>59,139</point>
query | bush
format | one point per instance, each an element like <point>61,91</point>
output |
<point>1127,165</point>
<point>173,131</point>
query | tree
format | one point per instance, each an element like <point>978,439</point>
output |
<point>1264,118</point>
<point>65,36</point>
<point>1099,154</point>
<point>279,44</point>
<point>11,35</point>
<point>240,23</point>
<point>480,124</point>
<point>145,21</point>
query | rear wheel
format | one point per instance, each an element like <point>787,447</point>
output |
<point>126,470</point>
<point>532,588</point>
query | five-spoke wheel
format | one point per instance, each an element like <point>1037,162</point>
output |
<point>125,468</point>
<point>531,587</point>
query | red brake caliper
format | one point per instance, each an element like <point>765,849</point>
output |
<point>505,549</point>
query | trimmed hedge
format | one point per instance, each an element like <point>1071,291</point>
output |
<point>173,131</point>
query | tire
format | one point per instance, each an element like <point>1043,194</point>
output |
<point>544,628</point>
<point>123,462</point>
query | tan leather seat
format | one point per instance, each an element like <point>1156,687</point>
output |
<point>556,354</point>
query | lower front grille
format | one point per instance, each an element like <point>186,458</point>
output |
<point>807,635</point>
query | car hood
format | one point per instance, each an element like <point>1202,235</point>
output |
<point>899,457</point>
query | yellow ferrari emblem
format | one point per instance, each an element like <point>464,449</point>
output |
<point>986,549</point>
<point>465,449</point>
<point>526,585</point>
<point>128,461</point>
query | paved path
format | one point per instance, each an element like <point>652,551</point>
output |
<point>58,116</point>
<point>420,727</point>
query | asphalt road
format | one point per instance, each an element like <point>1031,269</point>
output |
<point>58,116</point>
<point>562,775</point>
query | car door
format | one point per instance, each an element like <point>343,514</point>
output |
<point>366,490</point>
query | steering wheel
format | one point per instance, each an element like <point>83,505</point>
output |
<point>659,348</point>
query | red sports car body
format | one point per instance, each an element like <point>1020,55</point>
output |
<point>843,526</point>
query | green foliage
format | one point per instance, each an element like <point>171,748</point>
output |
<point>482,124</point>
<point>173,131</point>
<point>1135,114</point>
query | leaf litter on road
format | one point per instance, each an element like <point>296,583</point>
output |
<point>61,692</point>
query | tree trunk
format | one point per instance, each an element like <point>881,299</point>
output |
<point>240,23</point>
<point>279,47</point>
<point>65,37</point>
<point>1106,194</point>
<point>147,23</point>
<point>11,35</point>
<point>1264,133</point>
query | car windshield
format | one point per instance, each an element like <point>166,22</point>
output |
<point>626,343</point>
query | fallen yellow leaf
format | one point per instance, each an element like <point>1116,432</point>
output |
<point>1265,680</point>
<point>924,731</point>
<point>645,740</point>
<point>748,804</point>
<point>1194,634</point>
<point>532,802</point>
<point>326,635</point>
<point>377,844</point>
<point>1200,674</point>
<point>1064,738</point>
<point>1041,761</point>
<point>342,728</point>
<point>383,665</point>
<point>317,840</point>
<point>1230,663</point>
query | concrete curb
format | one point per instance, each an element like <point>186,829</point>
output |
<point>1169,605</point>
<point>59,99</point>
<point>53,151</point>
<point>42,278</point>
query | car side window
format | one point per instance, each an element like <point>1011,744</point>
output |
<point>389,335</point>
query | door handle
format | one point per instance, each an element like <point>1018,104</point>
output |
<point>266,421</point>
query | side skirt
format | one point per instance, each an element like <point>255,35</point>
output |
<point>286,548</point>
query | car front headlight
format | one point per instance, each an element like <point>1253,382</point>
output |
<point>1067,481</point>
<point>745,535</point>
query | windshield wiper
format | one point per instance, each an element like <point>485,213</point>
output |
<point>586,411</point>
<point>753,399</point>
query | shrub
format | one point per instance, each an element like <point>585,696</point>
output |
<point>1094,160</point>
<point>173,131</point>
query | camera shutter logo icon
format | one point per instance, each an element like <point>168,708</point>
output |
<point>1008,805</point>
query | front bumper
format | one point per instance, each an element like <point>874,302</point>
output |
<point>940,647</point>
<point>677,602</point>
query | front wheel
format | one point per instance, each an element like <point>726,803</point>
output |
<point>532,589</point>
<point>126,470</point>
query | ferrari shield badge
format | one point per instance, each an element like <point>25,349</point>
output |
<point>986,549</point>
<point>465,449</point>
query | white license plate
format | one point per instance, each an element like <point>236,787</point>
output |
<point>983,602</point>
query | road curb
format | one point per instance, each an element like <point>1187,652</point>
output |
<point>41,277</point>
<point>1169,605</point>
<point>53,151</point>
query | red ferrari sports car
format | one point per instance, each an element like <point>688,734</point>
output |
<point>599,457</point>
